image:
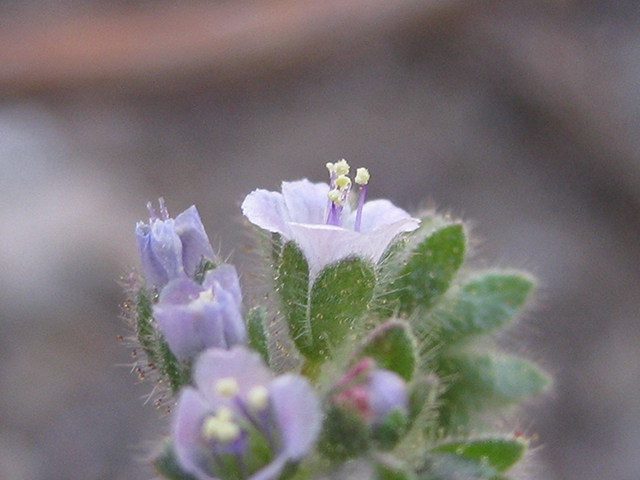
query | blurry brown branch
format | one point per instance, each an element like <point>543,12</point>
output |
<point>158,45</point>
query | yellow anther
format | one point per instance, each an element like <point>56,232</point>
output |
<point>341,167</point>
<point>362,176</point>
<point>343,182</point>
<point>258,398</point>
<point>220,428</point>
<point>225,414</point>
<point>227,387</point>
<point>228,432</point>
<point>210,427</point>
<point>334,195</point>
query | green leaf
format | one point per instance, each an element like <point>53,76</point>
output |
<point>486,382</point>
<point>177,373</point>
<point>393,346</point>
<point>391,468</point>
<point>158,355</point>
<point>343,435</point>
<point>143,322</point>
<point>430,268</point>
<point>500,452</point>
<point>447,466</point>
<point>484,304</point>
<point>292,284</point>
<point>389,432</point>
<point>423,394</point>
<point>166,464</point>
<point>258,333</point>
<point>339,296</point>
<point>320,316</point>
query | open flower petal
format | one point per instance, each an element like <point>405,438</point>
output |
<point>381,213</point>
<point>268,211</point>
<point>326,244</point>
<point>306,201</point>
<point>216,364</point>
<point>293,399</point>
<point>192,410</point>
<point>301,212</point>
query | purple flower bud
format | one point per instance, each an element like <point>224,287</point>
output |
<point>241,423</point>
<point>372,393</point>
<point>193,317</point>
<point>170,248</point>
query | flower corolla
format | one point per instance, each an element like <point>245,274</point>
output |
<point>319,219</point>
<point>241,423</point>
<point>171,248</point>
<point>193,317</point>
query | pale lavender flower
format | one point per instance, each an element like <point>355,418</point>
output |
<point>241,423</point>
<point>371,393</point>
<point>317,217</point>
<point>193,317</point>
<point>170,248</point>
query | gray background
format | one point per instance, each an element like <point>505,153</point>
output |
<point>520,116</point>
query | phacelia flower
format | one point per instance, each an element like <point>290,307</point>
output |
<point>371,393</point>
<point>318,217</point>
<point>241,423</point>
<point>170,248</point>
<point>193,317</point>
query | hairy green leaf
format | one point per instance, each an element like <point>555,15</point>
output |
<point>484,304</point>
<point>258,333</point>
<point>393,346</point>
<point>339,296</point>
<point>501,452</point>
<point>430,268</point>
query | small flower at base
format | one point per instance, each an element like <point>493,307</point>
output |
<point>266,425</point>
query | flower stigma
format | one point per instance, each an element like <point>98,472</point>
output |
<point>164,213</point>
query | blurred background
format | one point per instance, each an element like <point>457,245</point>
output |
<point>521,116</point>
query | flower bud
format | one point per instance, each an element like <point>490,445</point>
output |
<point>369,407</point>
<point>171,248</point>
<point>193,317</point>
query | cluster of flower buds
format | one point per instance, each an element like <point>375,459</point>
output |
<point>373,370</point>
